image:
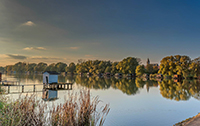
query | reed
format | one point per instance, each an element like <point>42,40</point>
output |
<point>24,111</point>
<point>77,110</point>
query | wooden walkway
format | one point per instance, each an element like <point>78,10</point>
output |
<point>57,86</point>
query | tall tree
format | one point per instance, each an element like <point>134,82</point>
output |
<point>127,65</point>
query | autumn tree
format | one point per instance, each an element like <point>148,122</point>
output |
<point>71,68</point>
<point>127,65</point>
<point>40,67</point>
<point>140,70</point>
<point>60,67</point>
<point>175,65</point>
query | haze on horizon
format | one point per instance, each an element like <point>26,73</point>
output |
<point>68,30</point>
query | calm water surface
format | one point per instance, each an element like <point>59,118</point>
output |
<point>133,102</point>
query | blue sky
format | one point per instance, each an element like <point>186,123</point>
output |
<point>68,30</point>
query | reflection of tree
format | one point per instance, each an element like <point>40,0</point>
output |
<point>64,79</point>
<point>139,82</point>
<point>33,77</point>
<point>92,82</point>
<point>150,83</point>
<point>176,91</point>
<point>125,85</point>
<point>195,89</point>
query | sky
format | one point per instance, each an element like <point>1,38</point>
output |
<point>54,31</point>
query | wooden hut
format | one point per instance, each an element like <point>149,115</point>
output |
<point>50,77</point>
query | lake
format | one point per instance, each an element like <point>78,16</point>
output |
<point>133,102</point>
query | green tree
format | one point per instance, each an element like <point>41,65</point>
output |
<point>30,67</point>
<point>108,69</point>
<point>41,67</point>
<point>175,65</point>
<point>127,65</point>
<point>114,68</point>
<point>140,70</point>
<point>149,68</point>
<point>60,67</point>
<point>71,68</point>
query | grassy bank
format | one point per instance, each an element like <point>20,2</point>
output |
<point>78,110</point>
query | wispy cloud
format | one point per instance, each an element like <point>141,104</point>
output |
<point>28,23</point>
<point>89,56</point>
<point>74,48</point>
<point>34,48</point>
<point>43,57</point>
<point>16,56</point>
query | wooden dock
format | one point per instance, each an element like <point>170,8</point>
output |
<point>58,86</point>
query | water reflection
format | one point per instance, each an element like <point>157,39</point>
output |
<point>127,86</point>
<point>168,88</point>
<point>179,90</point>
<point>49,95</point>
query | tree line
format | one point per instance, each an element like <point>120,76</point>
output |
<point>169,65</point>
<point>126,66</point>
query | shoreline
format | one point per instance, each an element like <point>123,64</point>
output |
<point>191,121</point>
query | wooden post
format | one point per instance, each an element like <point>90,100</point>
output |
<point>64,86</point>
<point>33,88</point>
<point>71,86</point>
<point>22,88</point>
<point>8,89</point>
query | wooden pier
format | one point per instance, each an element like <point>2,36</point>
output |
<point>59,86</point>
<point>50,82</point>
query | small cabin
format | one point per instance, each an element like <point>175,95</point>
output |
<point>50,77</point>
<point>49,95</point>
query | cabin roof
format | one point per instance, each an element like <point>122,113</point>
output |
<point>52,72</point>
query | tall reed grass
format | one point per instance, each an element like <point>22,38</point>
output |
<point>23,112</point>
<point>77,110</point>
